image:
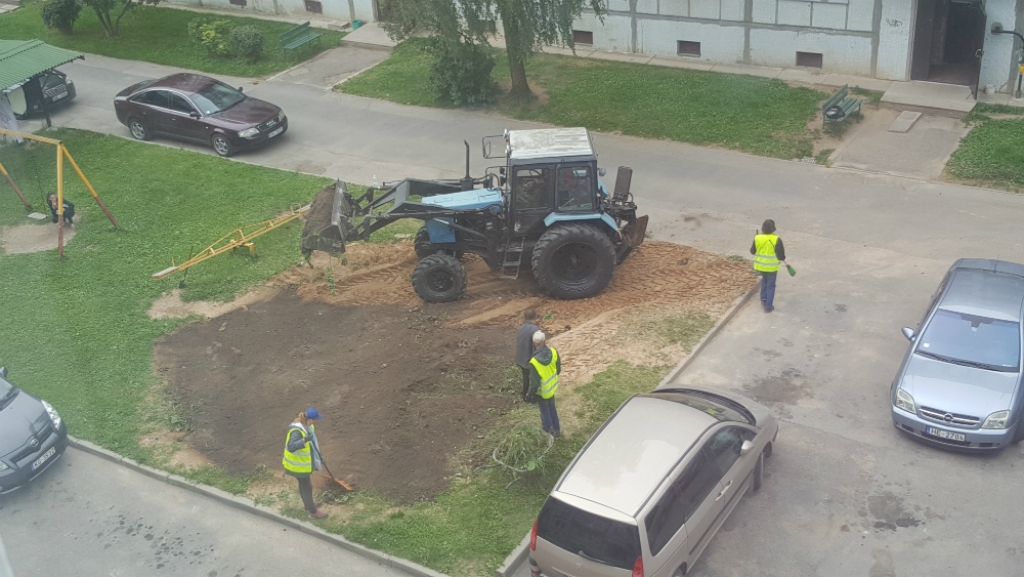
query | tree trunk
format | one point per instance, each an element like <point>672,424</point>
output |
<point>520,88</point>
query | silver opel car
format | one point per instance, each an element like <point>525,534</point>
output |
<point>648,492</point>
<point>959,384</point>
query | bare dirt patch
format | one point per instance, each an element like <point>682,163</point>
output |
<point>28,238</point>
<point>406,385</point>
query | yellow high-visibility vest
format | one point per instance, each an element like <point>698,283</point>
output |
<point>301,461</point>
<point>765,259</point>
<point>548,375</point>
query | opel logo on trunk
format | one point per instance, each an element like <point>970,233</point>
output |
<point>34,442</point>
<point>948,418</point>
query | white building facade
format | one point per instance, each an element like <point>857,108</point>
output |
<point>946,41</point>
<point>934,40</point>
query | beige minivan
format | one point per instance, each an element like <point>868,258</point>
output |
<point>651,488</point>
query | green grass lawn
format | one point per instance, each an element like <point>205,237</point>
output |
<point>992,154</point>
<point>756,115</point>
<point>160,35</point>
<point>76,331</point>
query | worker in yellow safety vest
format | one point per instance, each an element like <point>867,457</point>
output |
<point>302,457</point>
<point>769,256</point>
<point>544,369</point>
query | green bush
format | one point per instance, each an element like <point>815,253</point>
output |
<point>461,73</point>
<point>211,34</point>
<point>246,43</point>
<point>61,14</point>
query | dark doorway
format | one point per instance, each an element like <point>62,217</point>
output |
<point>948,40</point>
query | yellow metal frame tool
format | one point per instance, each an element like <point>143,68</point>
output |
<point>236,239</point>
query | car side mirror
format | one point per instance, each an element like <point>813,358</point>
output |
<point>3,372</point>
<point>909,333</point>
<point>746,447</point>
<point>194,114</point>
<point>239,88</point>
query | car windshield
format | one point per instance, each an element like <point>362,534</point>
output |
<point>588,535</point>
<point>972,340</point>
<point>216,98</point>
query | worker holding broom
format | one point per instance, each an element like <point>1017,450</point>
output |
<point>302,457</point>
<point>769,255</point>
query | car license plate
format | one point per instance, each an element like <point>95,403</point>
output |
<point>276,132</point>
<point>946,434</point>
<point>60,95</point>
<point>43,459</point>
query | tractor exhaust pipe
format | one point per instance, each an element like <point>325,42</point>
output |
<point>467,181</point>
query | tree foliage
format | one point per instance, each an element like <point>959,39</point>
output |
<point>61,14</point>
<point>528,25</point>
<point>461,72</point>
<point>110,12</point>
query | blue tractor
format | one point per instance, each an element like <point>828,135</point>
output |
<point>545,209</point>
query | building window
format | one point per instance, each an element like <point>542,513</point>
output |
<point>687,48</point>
<point>314,6</point>
<point>582,37</point>
<point>808,59</point>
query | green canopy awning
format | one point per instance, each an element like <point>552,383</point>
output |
<point>23,59</point>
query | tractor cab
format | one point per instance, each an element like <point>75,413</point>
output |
<point>550,175</point>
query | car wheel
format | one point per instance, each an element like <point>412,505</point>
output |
<point>759,472</point>
<point>680,571</point>
<point>138,129</point>
<point>768,449</point>
<point>221,145</point>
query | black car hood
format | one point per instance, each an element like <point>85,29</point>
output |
<point>24,416</point>
<point>249,111</point>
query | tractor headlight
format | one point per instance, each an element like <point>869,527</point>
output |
<point>249,132</point>
<point>905,401</point>
<point>997,420</point>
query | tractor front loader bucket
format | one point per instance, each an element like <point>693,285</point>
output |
<point>329,223</point>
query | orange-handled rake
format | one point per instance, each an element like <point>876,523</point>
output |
<point>330,475</point>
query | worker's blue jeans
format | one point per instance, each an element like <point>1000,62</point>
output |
<point>768,289</point>
<point>549,416</point>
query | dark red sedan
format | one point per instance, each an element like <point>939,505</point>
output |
<point>199,109</point>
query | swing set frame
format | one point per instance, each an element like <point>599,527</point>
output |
<point>62,153</point>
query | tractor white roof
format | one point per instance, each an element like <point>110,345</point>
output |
<point>550,143</point>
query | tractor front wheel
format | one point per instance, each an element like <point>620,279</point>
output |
<point>573,260</point>
<point>439,278</point>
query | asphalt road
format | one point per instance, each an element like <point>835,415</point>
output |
<point>89,517</point>
<point>845,495</point>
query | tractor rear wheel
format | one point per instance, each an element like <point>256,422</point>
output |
<point>573,260</point>
<point>439,278</point>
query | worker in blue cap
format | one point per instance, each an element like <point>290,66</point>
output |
<point>302,457</point>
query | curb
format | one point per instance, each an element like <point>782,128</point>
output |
<point>516,558</point>
<point>391,562</point>
<point>736,306</point>
<point>518,555</point>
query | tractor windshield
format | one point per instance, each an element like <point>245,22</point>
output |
<point>575,188</point>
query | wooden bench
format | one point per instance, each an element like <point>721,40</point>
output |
<point>842,100</point>
<point>299,36</point>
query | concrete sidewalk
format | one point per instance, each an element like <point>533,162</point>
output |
<point>87,517</point>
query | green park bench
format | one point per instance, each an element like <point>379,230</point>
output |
<point>842,100</point>
<point>299,36</point>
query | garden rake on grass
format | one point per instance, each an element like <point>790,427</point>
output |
<point>330,475</point>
